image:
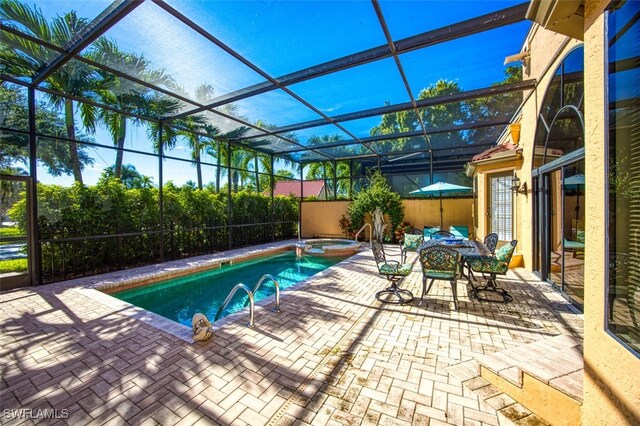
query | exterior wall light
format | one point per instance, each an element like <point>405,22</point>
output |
<point>515,186</point>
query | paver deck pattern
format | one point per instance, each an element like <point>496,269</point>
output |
<point>334,355</point>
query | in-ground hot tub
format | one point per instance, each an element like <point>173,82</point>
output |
<point>327,247</point>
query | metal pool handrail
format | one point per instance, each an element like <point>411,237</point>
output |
<point>370,232</point>
<point>228,299</point>
<point>265,278</point>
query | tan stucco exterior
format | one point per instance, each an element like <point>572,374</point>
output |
<point>612,372</point>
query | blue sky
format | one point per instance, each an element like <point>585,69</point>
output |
<point>286,36</point>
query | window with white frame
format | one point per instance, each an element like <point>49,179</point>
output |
<point>501,210</point>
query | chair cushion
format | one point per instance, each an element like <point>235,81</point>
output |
<point>573,245</point>
<point>412,242</point>
<point>433,273</point>
<point>489,265</point>
<point>504,253</point>
<point>428,231</point>
<point>459,231</point>
<point>393,269</point>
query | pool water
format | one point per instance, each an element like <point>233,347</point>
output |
<point>180,298</point>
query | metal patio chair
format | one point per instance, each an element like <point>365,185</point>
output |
<point>491,241</point>
<point>393,271</point>
<point>493,266</point>
<point>440,263</point>
<point>410,242</point>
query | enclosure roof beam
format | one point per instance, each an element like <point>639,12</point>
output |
<point>421,103</point>
<point>378,138</point>
<point>469,27</point>
<point>472,147</point>
<point>274,82</point>
<point>108,18</point>
<point>396,58</point>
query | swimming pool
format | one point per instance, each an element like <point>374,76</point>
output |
<point>178,299</point>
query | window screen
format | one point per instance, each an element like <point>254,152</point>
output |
<point>502,207</point>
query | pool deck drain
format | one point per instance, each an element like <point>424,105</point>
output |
<point>333,356</point>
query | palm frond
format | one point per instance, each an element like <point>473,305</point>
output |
<point>15,12</point>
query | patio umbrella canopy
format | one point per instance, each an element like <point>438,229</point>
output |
<point>440,188</point>
<point>575,181</point>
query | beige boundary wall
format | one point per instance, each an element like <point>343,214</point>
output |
<point>322,217</point>
<point>612,372</point>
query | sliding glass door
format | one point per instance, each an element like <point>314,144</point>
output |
<point>560,231</point>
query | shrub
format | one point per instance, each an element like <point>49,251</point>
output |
<point>194,223</point>
<point>347,227</point>
<point>402,229</point>
<point>377,193</point>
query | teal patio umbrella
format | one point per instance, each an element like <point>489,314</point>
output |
<point>575,181</point>
<point>441,188</point>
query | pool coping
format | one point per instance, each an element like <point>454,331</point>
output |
<point>99,287</point>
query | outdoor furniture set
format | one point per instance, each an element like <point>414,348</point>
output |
<point>444,257</point>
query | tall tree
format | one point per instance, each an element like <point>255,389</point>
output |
<point>52,155</point>
<point>193,125</point>
<point>125,95</point>
<point>130,177</point>
<point>22,57</point>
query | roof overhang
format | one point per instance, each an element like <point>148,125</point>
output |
<point>560,16</point>
<point>495,159</point>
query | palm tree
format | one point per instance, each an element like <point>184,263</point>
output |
<point>193,125</point>
<point>324,170</point>
<point>75,79</point>
<point>240,159</point>
<point>126,95</point>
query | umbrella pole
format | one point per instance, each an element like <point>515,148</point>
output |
<point>441,210</point>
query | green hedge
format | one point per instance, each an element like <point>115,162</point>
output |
<point>194,223</point>
<point>13,265</point>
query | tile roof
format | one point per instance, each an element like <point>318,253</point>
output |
<point>311,188</point>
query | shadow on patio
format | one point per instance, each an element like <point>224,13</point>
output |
<point>334,353</point>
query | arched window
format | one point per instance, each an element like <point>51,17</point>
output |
<point>560,122</point>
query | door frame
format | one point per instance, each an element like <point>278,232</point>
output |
<point>489,203</point>
<point>30,278</point>
<point>542,221</point>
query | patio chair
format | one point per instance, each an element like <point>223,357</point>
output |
<point>410,242</point>
<point>493,266</point>
<point>440,263</point>
<point>491,242</point>
<point>393,271</point>
<point>459,231</point>
<point>441,235</point>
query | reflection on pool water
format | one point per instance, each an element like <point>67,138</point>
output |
<point>180,298</point>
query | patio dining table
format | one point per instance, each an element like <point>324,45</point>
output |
<point>467,248</point>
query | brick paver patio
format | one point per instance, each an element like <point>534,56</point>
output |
<point>334,355</point>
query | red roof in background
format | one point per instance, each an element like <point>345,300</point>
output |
<point>311,187</point>
<point>491,152</point>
